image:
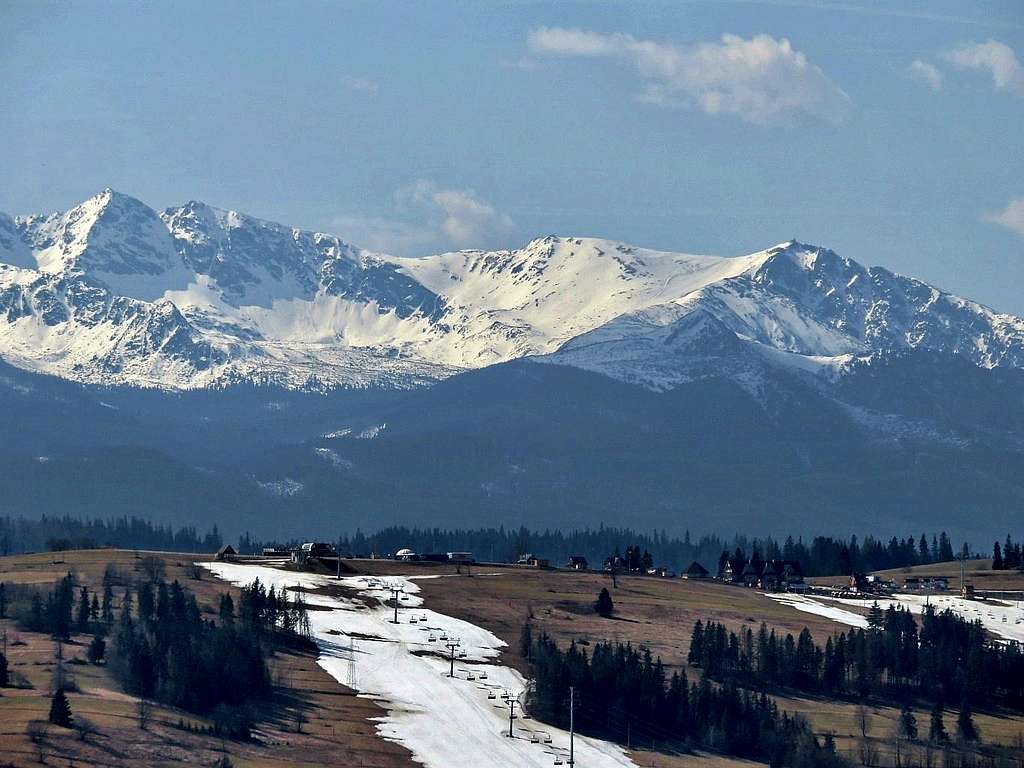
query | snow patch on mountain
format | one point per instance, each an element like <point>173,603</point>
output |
<point>111,292</point>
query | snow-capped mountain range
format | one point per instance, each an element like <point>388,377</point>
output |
<point>112,292</point>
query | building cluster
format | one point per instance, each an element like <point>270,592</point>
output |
<point>769,575</point>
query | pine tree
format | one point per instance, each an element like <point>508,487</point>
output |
<point>908,722</point>
<point>875,617</point>
<point>966,730</point>
<point>97,650</point>
<point>526,641</point>
<point>997,558</point>
<point>937,728</point>
<point>604,605</point>
<point>3,601</point>
<point>82,618</point>
<point>107,608</point>
<point>3,671</point>
<point>696,644</point>
<point>60,710</point>
<point>945,548</point>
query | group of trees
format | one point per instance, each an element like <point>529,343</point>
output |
<point>166,651</point>
<point>625,695</point>
<point>159,646</point>
<point>1007,557</point>
<point>822,556</point>
<point>945,659</point>
<point>19,534</point>
<point>828,556</point>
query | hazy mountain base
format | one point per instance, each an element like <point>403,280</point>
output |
<point>539,445</point>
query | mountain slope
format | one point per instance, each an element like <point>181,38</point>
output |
<point>111,292</point>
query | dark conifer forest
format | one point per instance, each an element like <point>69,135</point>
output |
<point>159,646</point>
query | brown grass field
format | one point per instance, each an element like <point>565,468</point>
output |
<point>657,613</point>
<point>660,613</point>
<point>336,731</point>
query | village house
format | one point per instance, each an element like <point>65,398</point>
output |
<point>532,561</point>
<point>577,563</point>
<point>696,571</point>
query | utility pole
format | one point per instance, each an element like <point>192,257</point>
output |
<point>395,592</point>
<point>572,724</point>
<point>511,701</point>
<point>451,645</point>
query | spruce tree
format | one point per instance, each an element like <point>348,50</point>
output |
<point>60,710</point>
<point>604,605</point>
<point>997,557</point>
<point>908,722</point>
<point>966,730</point>
<point>696,644</point>
<point>3,601</point>
<point>937,728</point>
<point>3,671</point>
<point>82,617</point>
<point>526,641</point>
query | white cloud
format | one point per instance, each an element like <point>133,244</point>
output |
<point>361,84</point>
<point>759,80</point>
<point>1011,218</point>
<point>384,235</point>
<point>926,73</point>
<point>427,218</point>
<point>998,58</point>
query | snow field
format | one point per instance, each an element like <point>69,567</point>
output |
<point>443,721</point>
<point>1003,620</point>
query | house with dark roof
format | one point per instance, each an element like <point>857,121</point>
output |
<point>696,571</point>
<point>781,576</point>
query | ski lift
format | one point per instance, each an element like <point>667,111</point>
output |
<point>483,675</point>
<point>547,738</point>
<point>558,761</point>
<point>535,739</point>
<point>470,676</point>
<point>432,638</point>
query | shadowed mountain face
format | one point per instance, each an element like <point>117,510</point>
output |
<point>202,365</point>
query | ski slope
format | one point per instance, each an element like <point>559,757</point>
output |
<point>443,721</point>
<point>1002,619</point>
<point>810,605</point>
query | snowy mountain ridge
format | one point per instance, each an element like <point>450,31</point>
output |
<point>112,292</point>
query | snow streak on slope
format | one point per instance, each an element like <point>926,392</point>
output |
<point>1001,619</point>
<point>443,721</point>
<point>111,292</point>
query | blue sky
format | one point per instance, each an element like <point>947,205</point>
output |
<point>890,132</point>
